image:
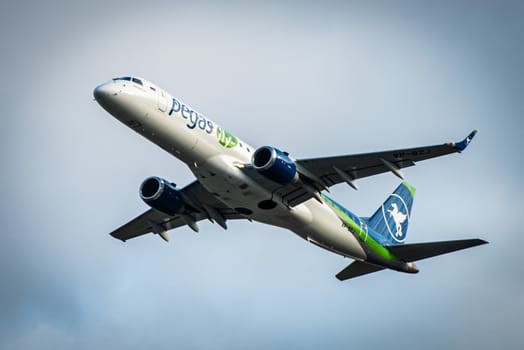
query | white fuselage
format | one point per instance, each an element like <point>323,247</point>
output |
<point>203,146</point>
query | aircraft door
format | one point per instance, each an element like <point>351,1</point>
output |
<point>162,100</point>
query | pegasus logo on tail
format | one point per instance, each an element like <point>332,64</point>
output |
<point>398,217</point>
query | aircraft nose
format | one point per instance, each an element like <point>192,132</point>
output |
<point>104,92</point>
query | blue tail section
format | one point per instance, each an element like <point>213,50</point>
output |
<point>391,220</point>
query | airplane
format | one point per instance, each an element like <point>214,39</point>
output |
<point>237,181</point>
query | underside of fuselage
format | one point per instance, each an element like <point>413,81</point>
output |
<point>312,220</point>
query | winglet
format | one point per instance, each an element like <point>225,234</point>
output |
<point>464,143</point>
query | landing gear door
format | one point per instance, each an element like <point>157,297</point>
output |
<point>162,100</point>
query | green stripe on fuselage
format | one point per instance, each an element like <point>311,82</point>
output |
<point>355,228</point>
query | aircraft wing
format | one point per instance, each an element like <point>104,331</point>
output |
<point>200,204</point>
<point>317,174</point>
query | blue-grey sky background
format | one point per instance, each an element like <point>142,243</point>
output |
<point>312,78</point>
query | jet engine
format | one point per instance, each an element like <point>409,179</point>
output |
<point>275,165</point>
<point>162,196</point>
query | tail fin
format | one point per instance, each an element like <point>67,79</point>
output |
<point>392,218</point>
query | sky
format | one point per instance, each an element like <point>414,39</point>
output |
<point>312,78</point>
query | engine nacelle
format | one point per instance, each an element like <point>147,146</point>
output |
<point>275,165</point>
<point>162,196</point>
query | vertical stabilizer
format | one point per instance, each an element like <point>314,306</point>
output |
<point>391,220</point>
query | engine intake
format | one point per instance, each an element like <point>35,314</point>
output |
<point>275,165</point>
<point>162,196</point>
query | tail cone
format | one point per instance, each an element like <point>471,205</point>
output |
<point>411,267</point>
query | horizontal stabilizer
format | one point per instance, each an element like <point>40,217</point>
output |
<point>357,268</point>
<point>419,251</point>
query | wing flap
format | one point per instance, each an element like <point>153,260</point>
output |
<point>419,251</point>
<point>357,268</point>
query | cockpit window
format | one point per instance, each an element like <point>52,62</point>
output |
<point>134,80</point>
